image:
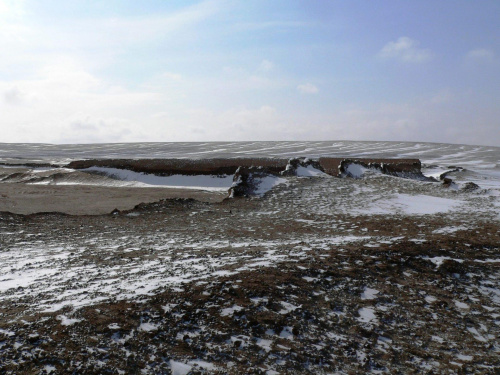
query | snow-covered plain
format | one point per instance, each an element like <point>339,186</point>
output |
<point>61,265</point>
<point>59,269</point>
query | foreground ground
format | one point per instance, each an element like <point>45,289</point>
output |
<point>325,275</point>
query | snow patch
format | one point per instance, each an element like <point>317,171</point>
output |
<point>369,293</point>
<point>309,171</point>
<point>407,204</point>
<point>267,183</point>
<point>230,310</point>
<point>148,327</point>
<point>65,321</point>
<point>179,368</point>
<point>366,315</point>
<point>355,170</point>
<point>204,182</point>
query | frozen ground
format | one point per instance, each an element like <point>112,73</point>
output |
<point>320,275</point>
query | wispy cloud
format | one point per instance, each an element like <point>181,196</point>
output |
<point>442,96</point>
<point>11,8</point>
<point>406,50</point>
<point>122,31</point>
<point>480,55</point>
<point>266,66</point>
<point>307,88</point>
<point>281,25</point>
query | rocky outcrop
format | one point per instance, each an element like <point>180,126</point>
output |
<point>336,166</point>
<point>405,168</point>
<point>470,186</point>
<point>248,181</point>
<point>294,164</point>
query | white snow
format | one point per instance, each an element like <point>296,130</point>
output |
<point>463,357</point>
<point>48,270</point>
<point>461,305</point>
<point>267,183</point>
<point>476,334</point>
<point>369,293</point>
<point>309,171</point>
<point>230,310</point>
<point>288,307</point>
<point>204,182</point>
<point>148,327</point>
<point>49,369</point>
<point>23,279</point>
<point>407,204</point>
<point>438,261</point>
<point>448,230</point>
<point>366,314</point>
<point>286,333</point>
<point>355,170</point>
<point>203,364</point>
<point>264,344</point>
<point>179,368</point>
<point>65,321</point>
<point>7,333</point>
<point>430,299</point>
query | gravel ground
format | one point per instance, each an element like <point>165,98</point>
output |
<point>321,276</point>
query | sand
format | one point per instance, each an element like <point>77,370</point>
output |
<point>89,200</point>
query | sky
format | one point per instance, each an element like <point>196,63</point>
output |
<point>86,71</point>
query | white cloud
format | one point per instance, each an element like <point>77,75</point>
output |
<point>64,102</point>
<point>11,8</point>
<point>266,66</point>
<point>481,55</point>
<point>14,96</point>
<point>125,31</point>
<point>307,88</point>
<point>280,25</point>
<point>171,76</point>
<point>405,50</point>
<point>240,79</point>
<point>442,96</point>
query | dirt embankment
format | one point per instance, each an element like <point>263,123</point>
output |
<point>166,167</point>
<point>332,166</point>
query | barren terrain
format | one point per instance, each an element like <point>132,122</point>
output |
<point>320,275</point>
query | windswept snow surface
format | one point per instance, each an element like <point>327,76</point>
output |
<point>84,265</point>
<point>71,271</point>
<point>214,183</point>
<point>267,183</point>
<point>309,171</point>
<point>349,274</point>
<point>356,170</point>
<point>481,164</point>
<point>411,205</point>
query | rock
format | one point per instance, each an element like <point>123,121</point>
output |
<point>470,186</point>
<point>246,181</point>
<point>447,182</point>
<point>295,163</point>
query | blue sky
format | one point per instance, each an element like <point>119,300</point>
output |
<point>125,71</point>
